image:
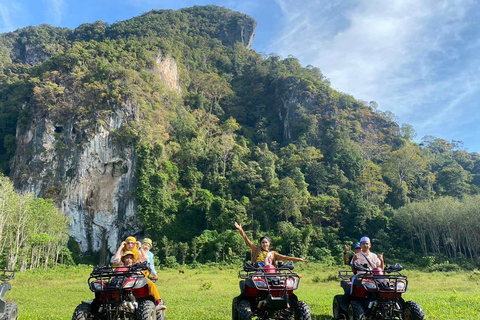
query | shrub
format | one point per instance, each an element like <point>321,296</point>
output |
<point>444,267</point>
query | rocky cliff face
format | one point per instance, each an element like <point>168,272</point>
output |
<point>92,182</point>
<point>242,30</point>
<point>91,175</point>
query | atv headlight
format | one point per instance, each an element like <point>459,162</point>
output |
<point>369,284</point>
<point>259,283</point>
<point>128,284</point>
<point>400,286</point>
<point>291,282</point>
<point>97,286</point>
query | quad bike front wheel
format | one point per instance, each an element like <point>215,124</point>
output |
<point>235,308</point>
<point>82,312</point>
<point>244,310</point>
<point>161,315</point>
<point>302,311</point>
<point>146,310</point>
<point>11,311</point>
<point>355,311</point>
<point>413,311</point>
<point>338,313</point>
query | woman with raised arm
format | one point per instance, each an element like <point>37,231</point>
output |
<point>130,244</point>
<point>263,255</point>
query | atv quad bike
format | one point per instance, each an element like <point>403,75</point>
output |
<point>267,293</point>
<point>376,294</point>
<point>120,293</point>
<point>8,310</point>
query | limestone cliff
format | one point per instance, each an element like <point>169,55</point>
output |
<point>91,175</point>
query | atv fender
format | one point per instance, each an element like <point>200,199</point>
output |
<point>242,287</point>
<point>346,287</point>
<point>249,283</point>
<point>4,287</point>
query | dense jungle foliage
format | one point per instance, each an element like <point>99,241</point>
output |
<point>252,138</point>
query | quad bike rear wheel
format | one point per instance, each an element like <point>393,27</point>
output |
<point>338,313</point>
<point>302,311</point>
<point>413,311</point>
<point>244,310</point>
<point>355,311</point>
<point>235,308</point>
<point>11,311</point>
<point>82,312</point>
<point>146,310</point>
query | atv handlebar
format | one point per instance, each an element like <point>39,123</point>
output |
<point>388,269</point>
<point>253,267</point>
<point>134,268</point>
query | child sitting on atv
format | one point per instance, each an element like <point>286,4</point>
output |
<point>127,260</point>
<point>262,255</point>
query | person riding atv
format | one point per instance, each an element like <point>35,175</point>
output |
<point>120,293</point>
<point>267,293</point>
<point>375,294</point>
<point>8,310</point>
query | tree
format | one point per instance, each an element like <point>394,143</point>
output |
<point>227,141</point>
<point>402,167</point>
<point>183,249</point>
<point>371,179</point>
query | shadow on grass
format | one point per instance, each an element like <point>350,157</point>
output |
<point>321,317</point>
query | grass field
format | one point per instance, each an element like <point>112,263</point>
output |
<point>206,293</point>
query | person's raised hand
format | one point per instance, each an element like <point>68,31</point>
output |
<point>380,256</point>
<point>139,244</point>
<point>123,244</point>
<point>238,226</point>
<point>346,249</point>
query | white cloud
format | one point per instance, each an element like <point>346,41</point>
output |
<point>55,11</point>
<point>8,13</point>
<point>406,55</point>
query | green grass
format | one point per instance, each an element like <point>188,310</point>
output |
<point>207,292</point>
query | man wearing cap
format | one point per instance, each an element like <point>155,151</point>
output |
<point>146,246</point>
<point>356,248</point>
<point>366,257</point>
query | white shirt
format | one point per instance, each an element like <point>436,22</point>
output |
<point>370,259</point>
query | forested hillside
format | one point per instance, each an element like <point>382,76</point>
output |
<point>248,137</point>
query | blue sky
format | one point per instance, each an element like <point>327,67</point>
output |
<point>418,59</point>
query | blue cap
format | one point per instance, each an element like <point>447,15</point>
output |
<point>356,246</point>
<point>365,239</point>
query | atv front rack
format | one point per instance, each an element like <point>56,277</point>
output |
<point>385,283</point>
<point>113,278</point>
<point>274,282</point>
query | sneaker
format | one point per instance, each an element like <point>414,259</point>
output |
<point>160,307</point>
